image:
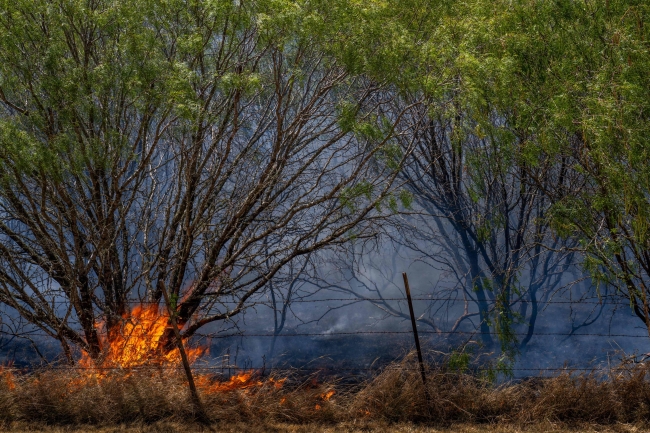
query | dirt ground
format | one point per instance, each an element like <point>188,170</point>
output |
<point>169,427</point>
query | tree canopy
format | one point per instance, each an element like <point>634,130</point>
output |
<point>198,148</point>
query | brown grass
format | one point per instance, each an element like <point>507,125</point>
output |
<point>175,427</point>
<point>152,400</point>
<point>620,396</point>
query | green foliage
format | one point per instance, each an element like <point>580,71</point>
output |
<point>84,62</point>
<point>406,198</point>
<point>350,196</point>
<point>547,84</point>
<point>536,84</point>
<point>247,83</point>
<point>502,367</point>
<point>173,303</point>
<point>347,113</point>
<point>403,198</point>
<point>459,360</point>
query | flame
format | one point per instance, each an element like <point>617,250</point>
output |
<point>138,342</point>
<point>243,381</point>
<point>238,381</point>
<point>9,378</point>
<point>325,397</point>
<point>277,383</point>
<point>328,395</point>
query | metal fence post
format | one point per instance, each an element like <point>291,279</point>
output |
<point>415,334</point>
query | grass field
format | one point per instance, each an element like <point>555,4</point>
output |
<point>169,427</point>
<point>150,400</point>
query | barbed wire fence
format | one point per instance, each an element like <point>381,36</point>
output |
<point>206,367</point>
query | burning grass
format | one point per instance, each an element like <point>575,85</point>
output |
<point>61,396</point>
<point>135,382</point>
<point>147,396</point>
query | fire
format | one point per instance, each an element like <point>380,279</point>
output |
<point>243,380</point>
<point>325,397</point>
<point>328,395</point>
<point>238,381</point>
<point>138,342</point>
<point>8,377</point>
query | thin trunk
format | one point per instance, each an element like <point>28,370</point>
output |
<point>201,414</point>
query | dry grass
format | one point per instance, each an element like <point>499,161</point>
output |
<point>170,427</point>
<point>398,395</point>
<point>157,401</point>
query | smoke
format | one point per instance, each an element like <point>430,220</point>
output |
<point>338,322</point>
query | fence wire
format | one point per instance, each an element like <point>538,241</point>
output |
<point>293,334</point>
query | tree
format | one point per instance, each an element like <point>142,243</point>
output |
<point>480,220</point>
<point>179,148</point>
<point>478,213</point>
<point>573,76</point>
<point>606,148</point>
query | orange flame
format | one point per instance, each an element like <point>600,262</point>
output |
<point>8,377</point>
<point>243,380</point>
<point>325,397</point>
<point>138,342</point>
<point>328,395</point>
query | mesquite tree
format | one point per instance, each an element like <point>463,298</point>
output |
<point>192,149</point>
<point>483,223</point>
<point>478,221</point>
<point>510,89</point>
<point>573,76</point>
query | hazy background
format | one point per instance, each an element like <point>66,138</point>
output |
<point>349,337</point>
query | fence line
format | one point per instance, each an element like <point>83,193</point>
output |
<point>261,369</point>
<point>301,301</point>
<point>289,334</point>
<point>329,334</point>
<point>316,334</point>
